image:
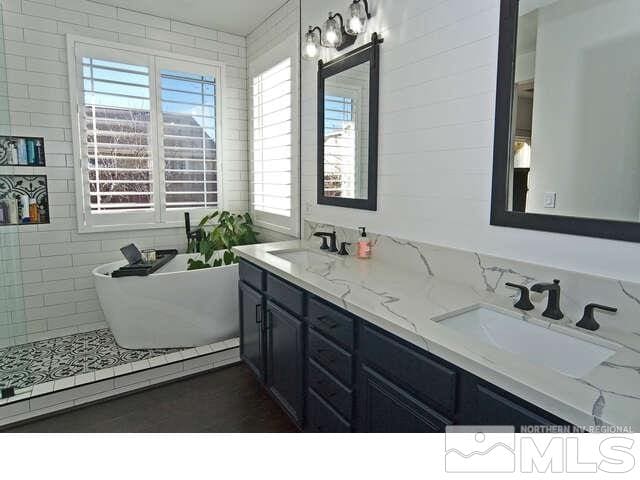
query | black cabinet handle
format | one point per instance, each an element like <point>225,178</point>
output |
<point>259,313</point>
<point>327,322</point>
<point>326,354</point>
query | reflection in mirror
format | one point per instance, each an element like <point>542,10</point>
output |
<point>576,110</point>
<point>346,133</point>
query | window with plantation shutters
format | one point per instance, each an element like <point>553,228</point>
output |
<point>271,128</point>
<point>339,146</point>
<point>117,124</point>
<point>147,137</point>
<point>274,137</point>
<point>189,140</point>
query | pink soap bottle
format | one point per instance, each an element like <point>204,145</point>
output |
<point>363,249</point>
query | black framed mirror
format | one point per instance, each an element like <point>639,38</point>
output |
<point>566,144</point>
<point>348,88</point>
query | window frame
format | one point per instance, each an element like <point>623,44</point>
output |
<point>159,217</point>
<point>288,48</point>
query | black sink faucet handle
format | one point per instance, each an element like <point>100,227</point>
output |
<point>588,321</point>
<point>524,303</point>
<point>553,303</point>
<point>343,248</point>
<point>323,236</point>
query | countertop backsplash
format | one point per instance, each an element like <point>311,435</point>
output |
<point>489,273</point>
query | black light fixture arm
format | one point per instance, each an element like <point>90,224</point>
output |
<point>311,30</point>
<point>366,6</point>
<point>337,14</point>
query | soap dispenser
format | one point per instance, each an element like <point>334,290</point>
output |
<point>363,249</point>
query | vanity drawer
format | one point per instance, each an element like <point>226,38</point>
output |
<point>333,323</point>
<point>251,274</point>
<point>285,294</point>
<point>322,418</point>
<point>338,396</point>
<point>431,381</point>
<point>331,357</point>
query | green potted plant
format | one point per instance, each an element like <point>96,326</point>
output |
<point>229,230</point>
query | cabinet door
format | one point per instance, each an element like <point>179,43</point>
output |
<point>251,329</point>
<point>385,407</point>
<point>285,359</point>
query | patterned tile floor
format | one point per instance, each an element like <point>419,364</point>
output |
<point>32,363</point>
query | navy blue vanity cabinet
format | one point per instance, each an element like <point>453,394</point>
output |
<point>285,362</point>
<point>330,366</point>
<point>482,403</point>
<point>384,406</point>
<point>400,388</point>
<point>251,329</point>
<point>334,372</point>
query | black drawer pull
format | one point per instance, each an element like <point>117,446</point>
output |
<point>326,354</point>
<point>327,322</point>
<point>258,313</point>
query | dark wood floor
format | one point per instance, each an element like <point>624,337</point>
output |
<point>225,400</point>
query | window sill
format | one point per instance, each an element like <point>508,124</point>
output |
<point>127,227</point>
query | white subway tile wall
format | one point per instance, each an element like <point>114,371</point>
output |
<point>59,297</point>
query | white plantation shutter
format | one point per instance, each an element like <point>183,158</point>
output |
<point>340,139</point>
<point>272,140</point>
<point>117,123</point>
<point>273,137</point>
<point>189,139</point>
<point>147,136</point>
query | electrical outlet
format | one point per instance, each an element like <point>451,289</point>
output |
<point>550,200</point>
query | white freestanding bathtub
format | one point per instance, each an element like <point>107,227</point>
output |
<point>172,307</point>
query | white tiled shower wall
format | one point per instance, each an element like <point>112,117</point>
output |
<point>437,97</point>
<point>56,261</point>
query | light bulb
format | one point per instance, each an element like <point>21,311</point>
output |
<point>311,44</point>
<point>332,37</point>
<point>355,25</point>
<point>311,50</point>
<point>357,20</point>
<point>331,32</point>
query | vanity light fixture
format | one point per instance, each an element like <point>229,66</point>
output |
<point>334,35</point>
<point>311,47</point>
<point>358,16</point>
<point>334,32</point>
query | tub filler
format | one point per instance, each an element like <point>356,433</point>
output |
<point>172,307</point>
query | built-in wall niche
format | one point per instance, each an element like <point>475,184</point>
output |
<point>24,200</point>
<point>22,151</point>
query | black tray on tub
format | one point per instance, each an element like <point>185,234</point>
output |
<point>142,269</point>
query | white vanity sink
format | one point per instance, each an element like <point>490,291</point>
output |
<point>303,257</point>
<point>564,353</point>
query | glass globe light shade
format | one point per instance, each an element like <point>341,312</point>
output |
<point>311,45</point>
<point>357,18</point>
<point>331,32</point>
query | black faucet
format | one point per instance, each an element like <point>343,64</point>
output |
<point>588,321</point>
<point>523,303</point>
<point>332,240</point>
<point>553,305</point>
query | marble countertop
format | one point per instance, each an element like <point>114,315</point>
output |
<point>406,302</point>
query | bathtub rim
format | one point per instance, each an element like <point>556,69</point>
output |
<point>119,263</point>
